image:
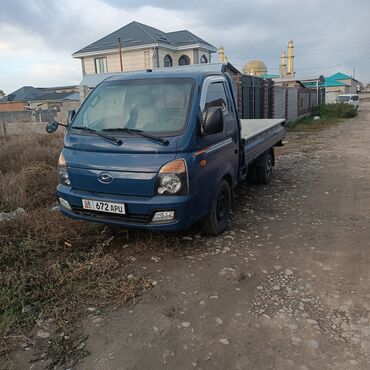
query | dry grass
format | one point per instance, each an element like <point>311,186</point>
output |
<point>52,267</point>
<point>27,171</point>
<point>32,187</point>
<point>17,152</point>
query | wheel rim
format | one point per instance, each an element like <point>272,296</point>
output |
<point>222,208</point>
<point>269,168</point>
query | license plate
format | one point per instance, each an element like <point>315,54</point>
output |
<point>100,206</point>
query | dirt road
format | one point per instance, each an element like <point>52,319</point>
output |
<point>286,287</point>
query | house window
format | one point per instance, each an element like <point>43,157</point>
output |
<point>101,65</point>
<point>203,59</point>
<point>184,60</point>
<point>167,61</point>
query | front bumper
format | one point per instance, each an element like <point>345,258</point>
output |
<point>139,210</point>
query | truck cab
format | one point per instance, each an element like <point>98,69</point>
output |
<point>159,150</point>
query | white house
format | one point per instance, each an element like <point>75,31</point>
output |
<point>137,46</point>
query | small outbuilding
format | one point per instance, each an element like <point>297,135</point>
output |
<point>338,84</point>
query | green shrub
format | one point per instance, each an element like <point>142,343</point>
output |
<point>334,111</point>
<point>329,114</point>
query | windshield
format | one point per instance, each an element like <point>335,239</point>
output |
<point>342,99</point>
<point>151,105</point>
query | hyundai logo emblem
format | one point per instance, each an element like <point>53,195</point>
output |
<point>105,178</point>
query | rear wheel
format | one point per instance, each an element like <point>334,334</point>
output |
<point>264,171</point>
<point>216,221</point>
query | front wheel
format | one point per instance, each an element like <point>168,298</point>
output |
<point>216,221</point>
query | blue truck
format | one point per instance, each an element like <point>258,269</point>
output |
<point>162,150</point>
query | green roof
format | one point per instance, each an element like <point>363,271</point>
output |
<point>329,82</point>
<point>340,76</point>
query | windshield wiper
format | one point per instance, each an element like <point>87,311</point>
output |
<point>133,131</point>
<point>99,133</point>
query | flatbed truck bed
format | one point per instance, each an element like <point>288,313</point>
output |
<point>259,135</point>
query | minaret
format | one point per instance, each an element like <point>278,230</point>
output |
<point>221,54</point>
<point>283,70</point>
<point>290,72</point>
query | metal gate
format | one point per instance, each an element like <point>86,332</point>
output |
<point>252,100</point>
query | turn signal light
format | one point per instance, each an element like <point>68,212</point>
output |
<point>176,166</point>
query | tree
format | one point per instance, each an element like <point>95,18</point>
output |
<point>2,93</point>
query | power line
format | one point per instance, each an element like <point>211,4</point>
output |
<point>337,50</point>
<point>348,62</point>
<point>302,55</point>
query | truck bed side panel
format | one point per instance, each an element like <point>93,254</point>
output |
<point>260,138</point>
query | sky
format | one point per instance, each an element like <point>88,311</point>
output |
<point>37,37</point>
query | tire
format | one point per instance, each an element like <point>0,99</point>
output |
<point>252,174</point>
<point>264,172</point>
<point>216,221</point>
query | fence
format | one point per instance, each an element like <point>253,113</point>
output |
<point>21,128</point>
<point>254,97</point>
<point>292,103</point>
<point>260,98</point>
<point>17,122</point>
<point>280,102</point>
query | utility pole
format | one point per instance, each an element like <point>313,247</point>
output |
<point>120,53</point>
<point>353,77</point>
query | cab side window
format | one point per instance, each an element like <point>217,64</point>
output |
<point>216,97</point>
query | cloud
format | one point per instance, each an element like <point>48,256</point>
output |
<point>38,34</point>
<point>27,59</point>
<point>70,25</point>
<point>36,46</point>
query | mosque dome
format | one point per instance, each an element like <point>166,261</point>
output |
<point>255,67</point>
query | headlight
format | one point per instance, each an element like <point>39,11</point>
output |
<point>62,171</point>
<point>173,178</point>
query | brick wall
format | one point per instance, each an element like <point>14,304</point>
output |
<point>303,101</point>
<point>238,93</point>
<point>12,106</point>
<point>268,99</point>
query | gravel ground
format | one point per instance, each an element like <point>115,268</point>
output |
<point>286,287</point>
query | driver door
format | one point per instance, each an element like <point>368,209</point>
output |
<point>221,149</point>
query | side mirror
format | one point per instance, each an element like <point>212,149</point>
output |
<point>213,121</point>
<point>71,114</point>
<point>51,127</point>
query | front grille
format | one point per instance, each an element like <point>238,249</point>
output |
<point>134,218</point>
